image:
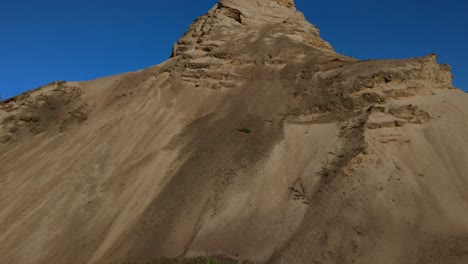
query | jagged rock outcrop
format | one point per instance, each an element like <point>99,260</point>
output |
<point>254,141</point>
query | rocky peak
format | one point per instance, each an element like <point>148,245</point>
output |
<point>236,19</point>
<point>238,33</point>
<point>261,12</point>
<point>262,4</point>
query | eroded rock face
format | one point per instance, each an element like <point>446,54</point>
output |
<point>235,19</point>
<point>287,3</point>
<point>263,5</point>
<point>254,141</point>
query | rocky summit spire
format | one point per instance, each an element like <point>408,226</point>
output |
<point>236,19</point>
<point>236,33</point>
<point>262,10</point>
<point>263,3</point>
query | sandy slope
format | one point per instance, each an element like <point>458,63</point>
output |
<point>255,140</point>
<point>404,201</point>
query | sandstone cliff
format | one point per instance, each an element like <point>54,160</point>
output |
<point>254,141</point>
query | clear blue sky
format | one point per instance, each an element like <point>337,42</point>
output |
<point>48,40</point>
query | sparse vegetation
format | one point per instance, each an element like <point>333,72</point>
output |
<point>210,260</point>
<point>245,130</point>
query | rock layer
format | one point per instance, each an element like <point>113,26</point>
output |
<point>255,141</point>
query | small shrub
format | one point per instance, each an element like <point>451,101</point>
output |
<point>210,260</point>
<point>245,130</point>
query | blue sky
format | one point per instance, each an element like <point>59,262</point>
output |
<point>44,41</point>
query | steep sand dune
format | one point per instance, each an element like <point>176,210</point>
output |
<point>255,141</point>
